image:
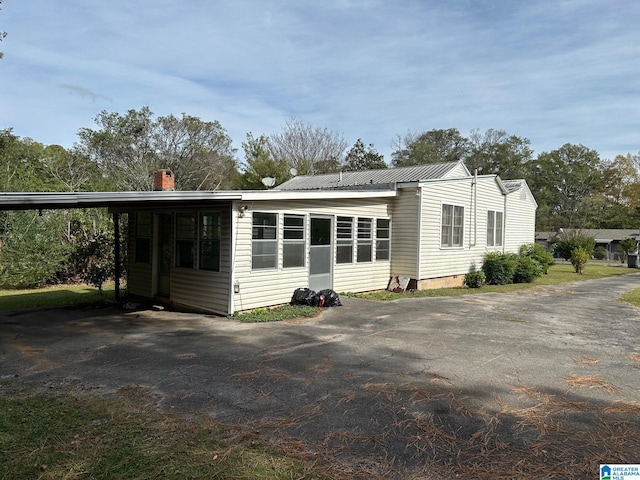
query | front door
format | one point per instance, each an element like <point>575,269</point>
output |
<point>321,254</point>
<point>165,257</point>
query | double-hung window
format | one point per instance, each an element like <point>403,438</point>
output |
<point>494,228</point>
<point>344,239</point>
<point>452,226</point>
<point>383,238</point>
<point>365,240</point>
<point>209,238</point>
<point>264,240</point>
<point>144,229</point>
<point>293,245</point>
<point>185,239</point>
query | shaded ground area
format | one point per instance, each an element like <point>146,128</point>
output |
<point>537,384</point>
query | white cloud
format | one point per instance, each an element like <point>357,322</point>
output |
<point>554,72</point>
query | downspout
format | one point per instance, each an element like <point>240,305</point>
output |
<point>474,186</point>
<point>504,224</point>
<point>419,193</point>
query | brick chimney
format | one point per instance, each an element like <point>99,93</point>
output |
<point>164,180</point>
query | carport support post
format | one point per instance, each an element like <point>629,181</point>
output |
<point>116,259</point>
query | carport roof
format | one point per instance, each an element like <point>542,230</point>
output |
<point>123,200</point>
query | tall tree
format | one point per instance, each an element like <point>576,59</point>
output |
<point>563,180</point>
<point>259,164</point>
<point>308,149</point>
<point>361,158</point>
<point>434,146</point>
<point>496,152</point>
<point>130,148</point>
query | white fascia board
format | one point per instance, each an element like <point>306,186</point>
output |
<point>314,194</point>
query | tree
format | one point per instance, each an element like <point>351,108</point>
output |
<point>308,149</point>
<point>569,240</point>
<point>496,152</point>
<point>361,158</point>
<point>434,146</point>
<point>563,180</point>
<point>260,164</point>
<point>628,245</point>
<point>130,148</point>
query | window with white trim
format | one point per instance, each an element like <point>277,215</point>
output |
<point>494,228</point>
<point>293,242</point>
<point>365,240</point>
<point>264,240</point>
<point>344,240</point>
<point>209,238</point>
<point>383,239</point>
<point>452,226</point>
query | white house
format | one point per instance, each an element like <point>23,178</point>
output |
<point>228,251</point>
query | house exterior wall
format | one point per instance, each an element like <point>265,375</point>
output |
<point>190,287</point>
<point>264,287</point>
<point>521,219</point>
<point>405,235</point>
<point>437,261</point>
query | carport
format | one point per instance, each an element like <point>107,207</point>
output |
<point>116,203</point>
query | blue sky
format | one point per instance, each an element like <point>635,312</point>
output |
<point>552,71</point>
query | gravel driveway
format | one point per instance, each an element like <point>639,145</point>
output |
<point>537,384</point>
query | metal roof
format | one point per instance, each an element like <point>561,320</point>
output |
<point>123,200</point>
<point>372,177</point>
<point>603,235</point>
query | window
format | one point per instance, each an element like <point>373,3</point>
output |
<point>344,237</point>
<point>293,246</point>
<point>365,239</point>
<point>382,239</point>
<point>264,244</point>
<point>185,239</point>
<point>452,226</point>
<point>144,229</point>
<point>494,228</point>
<point>210,232</point>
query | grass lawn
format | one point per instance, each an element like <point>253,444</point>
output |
<point>81,436</point>
<point>561,273</point>
<point>54,296</point>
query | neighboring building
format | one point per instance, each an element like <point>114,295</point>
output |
<point>608,238</point>
<point>228,251</point>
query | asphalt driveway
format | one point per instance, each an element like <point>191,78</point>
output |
<point>431,387</point>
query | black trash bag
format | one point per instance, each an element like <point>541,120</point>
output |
<point>305,296</point>
<point>328,298</point>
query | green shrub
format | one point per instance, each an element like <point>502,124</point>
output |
<point>579,257</point>
<point>600,253</point>
<point>499,267</point>
<point>527,270</point>
<point>474,279</point>
<point>567,242</point>
<point>538,253</point>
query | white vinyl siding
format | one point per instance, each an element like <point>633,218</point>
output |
<point>405,234</point>
<point>259,288</point>
<point>519,219</point>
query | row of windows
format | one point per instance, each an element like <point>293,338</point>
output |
<point>197,239</point>
<point>452,227</point>
<point>352,234</point>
